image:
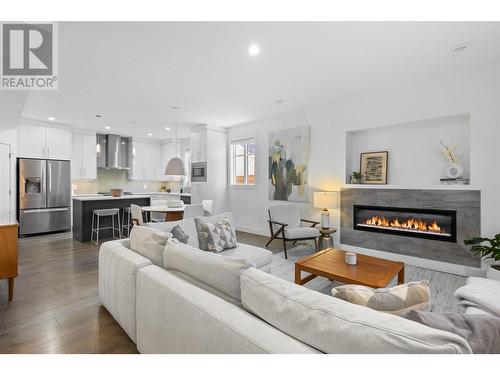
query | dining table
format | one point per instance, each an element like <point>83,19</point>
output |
<point>171,213</point>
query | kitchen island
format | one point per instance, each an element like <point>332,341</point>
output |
<point>84,205</point>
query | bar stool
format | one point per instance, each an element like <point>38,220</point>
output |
<point>109,212</point>
<point>126,214</point>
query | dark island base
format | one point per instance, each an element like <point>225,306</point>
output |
<point>82,215</point>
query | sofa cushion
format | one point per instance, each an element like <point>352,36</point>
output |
<point>218,272</point>
<point>187,225</point>
<point>395,300</point>
<point>215,237</point>
<point>336,326</point>
<point>179,234</point>
<point>301,232</point>
<point>149,243</point>
<point>256,255</point>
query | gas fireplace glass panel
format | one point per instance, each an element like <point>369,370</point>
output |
<point>424,223</point>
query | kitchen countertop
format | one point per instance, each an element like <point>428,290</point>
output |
<point>108,197</point>
<point>162,193</point>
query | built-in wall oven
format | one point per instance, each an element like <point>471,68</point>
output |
<point>199,172</point>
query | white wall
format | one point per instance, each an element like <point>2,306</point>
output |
<point>414,149</point>
<point>10,137</point>
<point>476,93</point>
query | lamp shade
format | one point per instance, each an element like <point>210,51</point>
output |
<point>175,167</point>
<point>326,199</point>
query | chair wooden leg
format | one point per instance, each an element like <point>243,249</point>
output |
<point>268,242</point>
<point>294,242</point>
<point>316,244</point>
<point>284,248</point>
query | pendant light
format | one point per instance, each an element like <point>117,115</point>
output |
<point>175,166</point>
<point>133,139</point>
<point>98,145</point>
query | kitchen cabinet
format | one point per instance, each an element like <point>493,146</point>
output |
<point>44,142</point>
<point>8,251</point>
<point>84,157</point>
<point>199,146</point>
<point>147,162</point>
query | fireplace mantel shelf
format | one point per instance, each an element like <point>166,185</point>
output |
<point>424,187</point>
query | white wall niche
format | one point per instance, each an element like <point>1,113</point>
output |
<point>415,157</point>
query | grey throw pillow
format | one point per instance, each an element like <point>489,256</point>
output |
<point>179,234</point>
<point>215,237</point>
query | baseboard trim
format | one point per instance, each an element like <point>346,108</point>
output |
<point>253,230</point>
<point>418,262</point>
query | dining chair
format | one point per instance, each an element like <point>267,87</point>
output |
<point>136,213</point>
<point>193,210</point>
<point>208,206</point>
<point>285,224</point>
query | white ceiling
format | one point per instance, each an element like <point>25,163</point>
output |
<point>137,71</point>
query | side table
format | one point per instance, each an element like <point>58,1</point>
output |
<point>326,239</point>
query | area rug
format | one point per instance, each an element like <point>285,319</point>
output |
<point>443,285</point>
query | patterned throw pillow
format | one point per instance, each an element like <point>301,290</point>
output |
<point>215,237</point>
<point>396,300</point>
<point>179,234</point>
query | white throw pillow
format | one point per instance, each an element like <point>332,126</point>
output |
<point>216,271</point>
<point>149,243</point>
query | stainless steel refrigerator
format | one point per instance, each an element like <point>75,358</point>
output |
<point>44,196</point>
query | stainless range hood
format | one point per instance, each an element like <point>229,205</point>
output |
<point>115,153</point>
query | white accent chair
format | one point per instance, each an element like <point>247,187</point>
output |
<point>193,210</point>
<point>285,224</point>
<point>208,207</point>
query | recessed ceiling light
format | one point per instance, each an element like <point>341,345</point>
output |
<point>167,128</point>
<point>50,118</point>
<point>107,127</point>
<point>460,47</point>
<point>254,50</point>
<point>279,101</point>
<point>150,134</point>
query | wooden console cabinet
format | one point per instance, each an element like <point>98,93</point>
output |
<point>8,253</point>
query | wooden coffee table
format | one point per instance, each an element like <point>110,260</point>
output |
<point>369,271</point>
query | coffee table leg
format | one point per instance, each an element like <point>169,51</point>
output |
<point>297,274</point>
<point>401,276</point>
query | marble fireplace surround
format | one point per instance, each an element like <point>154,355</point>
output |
<point>465,202</point>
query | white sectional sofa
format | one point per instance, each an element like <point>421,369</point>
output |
<point>199,302</point>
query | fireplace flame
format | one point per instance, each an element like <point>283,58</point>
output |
<point>410,224</point>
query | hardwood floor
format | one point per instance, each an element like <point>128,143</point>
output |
<point>56,307</point>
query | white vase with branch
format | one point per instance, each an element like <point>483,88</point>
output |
<point>454,169</point>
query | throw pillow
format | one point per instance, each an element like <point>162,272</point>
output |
<point>215,237</point>
<point>395,300</point>
<point>481,331</point>
<point>179,234</point>
<point>149,243</point>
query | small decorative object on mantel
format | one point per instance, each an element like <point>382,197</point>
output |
<point>351,259</point>
<point>356,177</point>
<point>374,167</point>
<point>490,251</point>
<point>454,170</point>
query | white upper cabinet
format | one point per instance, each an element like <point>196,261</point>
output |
<point>44,142</point>
<point>31,141</point>
<point>199,146</point>
<point>84,157</point>
<point>147,162</point>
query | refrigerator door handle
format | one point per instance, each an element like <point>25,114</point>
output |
<point>45,210</point>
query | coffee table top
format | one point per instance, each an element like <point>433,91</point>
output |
<point>369,271</point>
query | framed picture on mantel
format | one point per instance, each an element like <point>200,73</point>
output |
<point>374,167</point>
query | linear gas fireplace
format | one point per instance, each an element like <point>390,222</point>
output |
<point>432,224</point>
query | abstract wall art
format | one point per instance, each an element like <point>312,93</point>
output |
<point>289,151</point>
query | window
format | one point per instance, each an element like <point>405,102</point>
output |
<point>243,162</point>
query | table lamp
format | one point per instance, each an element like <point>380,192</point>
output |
<point>326,200</point>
